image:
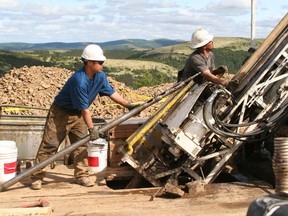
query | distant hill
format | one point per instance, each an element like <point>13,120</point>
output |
<point>110,45</point>
<point>134,55</point>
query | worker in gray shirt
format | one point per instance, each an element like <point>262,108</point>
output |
<point>202,60</point>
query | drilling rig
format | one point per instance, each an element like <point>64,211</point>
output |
<point>200,128</point>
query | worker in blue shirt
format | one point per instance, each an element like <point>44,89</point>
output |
<point>69,114</point>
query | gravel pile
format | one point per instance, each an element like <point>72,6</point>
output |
<point>31,91</point>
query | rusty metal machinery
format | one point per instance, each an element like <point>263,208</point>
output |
<point>194,137</point>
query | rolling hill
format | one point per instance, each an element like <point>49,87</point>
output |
<point>135,62</point>
<point>110,45</point>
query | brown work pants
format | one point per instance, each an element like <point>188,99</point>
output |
<point>60,124</point>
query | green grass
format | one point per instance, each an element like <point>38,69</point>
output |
<point>228,51</point>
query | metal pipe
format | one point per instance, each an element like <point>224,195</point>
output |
<point>252,42</point>
<point>215,154</point>
<point>86,138</point>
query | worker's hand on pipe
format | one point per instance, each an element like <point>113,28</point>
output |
<point>94,134</point>
<point>131,106</point>
<point>220,70</point>
<point>232,85</point>
<point>224,82</point>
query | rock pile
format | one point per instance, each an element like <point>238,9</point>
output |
<point>31,91</point>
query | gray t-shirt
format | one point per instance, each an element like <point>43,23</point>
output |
<point>197,62</point>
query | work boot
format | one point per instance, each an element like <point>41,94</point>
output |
<point>85,181</point>
<point>36,184</point>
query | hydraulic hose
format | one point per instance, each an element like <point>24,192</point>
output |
<point>216,126</point>
<point>223,126</point>
<point>209,119</point>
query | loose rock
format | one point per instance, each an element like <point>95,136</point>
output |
<point>37,86</point>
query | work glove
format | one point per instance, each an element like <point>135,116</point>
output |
<point>220,70</point>
<point>131,106</point>
<point>232,85</point>
<point>93,132</point>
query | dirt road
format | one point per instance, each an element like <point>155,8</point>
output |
<point>67,198</point>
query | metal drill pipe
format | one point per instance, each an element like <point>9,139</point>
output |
<point>86,138</point>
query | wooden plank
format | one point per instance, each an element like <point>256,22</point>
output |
<point>114,155</point>
<point>39,211</point>
<point>117,173</point>
<point>123,131</point>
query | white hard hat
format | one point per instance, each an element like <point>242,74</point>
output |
<point>93,52</point>
<point>200,37</point>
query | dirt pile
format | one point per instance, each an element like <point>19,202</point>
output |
<point>31,91</point>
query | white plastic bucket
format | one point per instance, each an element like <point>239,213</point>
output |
<point>97,155</point>
<point>7,143</point>
<point>8,160</point>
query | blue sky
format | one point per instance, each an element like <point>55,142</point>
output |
<point>41,21</point>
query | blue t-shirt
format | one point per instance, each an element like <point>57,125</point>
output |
<point>80,91</point>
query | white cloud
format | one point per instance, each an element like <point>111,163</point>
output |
<point>229,8</point>
<point>104,20</point>
<point>9,5</point>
